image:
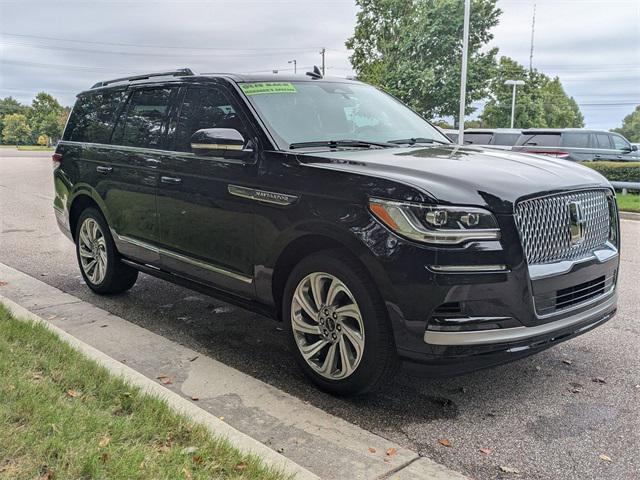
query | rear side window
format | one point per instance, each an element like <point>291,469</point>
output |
<point>507,139</point>
<point>477,138</point>
<point>94,116</point>
<point>146,119</point>
<point>539,139</point>
<point>205,107</point>
<point>603,140</point>
<point>575,140</point>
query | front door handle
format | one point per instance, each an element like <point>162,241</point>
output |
<point>598,156</point>
<point>104,170</point>
<point>152,162</point>
<point>171,180</point>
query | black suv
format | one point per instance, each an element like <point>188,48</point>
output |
<point>329,205</point>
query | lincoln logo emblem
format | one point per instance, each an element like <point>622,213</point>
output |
<point>576,223</point>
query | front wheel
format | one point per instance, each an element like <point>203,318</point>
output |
<point>98,258</point>
<point>338,325</point>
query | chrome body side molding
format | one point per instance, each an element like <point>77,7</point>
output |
<point>262,195</point>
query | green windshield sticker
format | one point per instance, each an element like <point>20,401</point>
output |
<point>267,87</point>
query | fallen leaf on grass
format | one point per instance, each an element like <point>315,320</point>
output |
<point>445,443</point>
<point>46,473</point>
<point>391,451</point>
<point>72,393</point>
<point>104,441</point>
<point>486,451</point>
<point>372,450</point>
<point>241,466</point>
<point>604,457</point>
<point>197,459</point>
<point>598,380</point>
<point>509,469</point>
<point>104,457</point>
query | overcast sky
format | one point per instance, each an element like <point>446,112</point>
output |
<point>65,46</point>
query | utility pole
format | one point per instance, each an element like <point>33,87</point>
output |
<point>533,29</point>
<point>463,74</point>
<point>295,65</point>
<point>515,84</point>
<point>322,52</point>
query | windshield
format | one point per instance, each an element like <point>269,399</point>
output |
<point>299,112</point>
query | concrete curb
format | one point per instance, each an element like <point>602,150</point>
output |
<point>630,216</point>
<point>239,440</point>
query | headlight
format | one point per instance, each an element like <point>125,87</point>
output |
<point>436,223</point>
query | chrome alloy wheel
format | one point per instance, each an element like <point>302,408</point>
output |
<point>92,248</point>
<point>327,325</point>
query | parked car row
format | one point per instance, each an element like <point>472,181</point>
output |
<point>577,144</point>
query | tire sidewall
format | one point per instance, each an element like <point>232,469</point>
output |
<point>376,326</point>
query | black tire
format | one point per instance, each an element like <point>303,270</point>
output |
<point>379,362</point>
<point>118,277</point>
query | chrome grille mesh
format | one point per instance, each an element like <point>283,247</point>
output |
<point>544,225</point>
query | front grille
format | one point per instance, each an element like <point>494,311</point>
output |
<point>575,295</point>
<point>544,224</point>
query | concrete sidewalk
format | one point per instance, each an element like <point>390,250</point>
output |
<point>255,416</point>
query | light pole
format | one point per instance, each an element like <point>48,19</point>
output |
<point>463,74</point>
<point>515,84</point>
<point>295,65</point>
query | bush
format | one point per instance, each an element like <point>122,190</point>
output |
<point>617,171</point>
<point>43,140</point>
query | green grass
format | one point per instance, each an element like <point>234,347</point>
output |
<point>629,202</point>
<point>35,148</point>
<point>63,416</point>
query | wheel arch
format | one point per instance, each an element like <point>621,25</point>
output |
<point>83,199</point>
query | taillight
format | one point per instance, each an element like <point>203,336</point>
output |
<point>550,153</point>
<point>56,158</point>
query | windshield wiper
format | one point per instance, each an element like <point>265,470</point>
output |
<point>413,141</point>
<point>340,143</point>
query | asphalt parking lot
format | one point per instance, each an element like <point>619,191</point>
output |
<point>548,416</point>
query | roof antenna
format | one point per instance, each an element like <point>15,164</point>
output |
<point>316,73</point>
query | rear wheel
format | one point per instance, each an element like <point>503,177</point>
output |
<point>338,325</point>
<point>98,258</point>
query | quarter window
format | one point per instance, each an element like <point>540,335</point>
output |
<point>575,140</point>
<point>205,107</point>
<point>146,118</point>
<point>94,116</point>
<point>539,139</point>
<point>477,138</point>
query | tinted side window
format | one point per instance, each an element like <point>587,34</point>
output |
<point>505,138</point>
<point>575,140</point>
<point>602,141</point>
<point>146,118</point>
<point>540,139</point>
<point>94,116</point>
<point>620,143</point>
<point>205,107</point>
<point>477,138</point>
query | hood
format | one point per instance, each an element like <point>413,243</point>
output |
<point>495,179</point>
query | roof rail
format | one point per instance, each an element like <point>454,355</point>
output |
<point>181,72</point>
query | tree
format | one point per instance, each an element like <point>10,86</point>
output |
<point>45,116</point>
<point>630,126</point>
<point>8,106</point>
<point>540,102</point>
<point>16,129</point>
<point>412,49</point>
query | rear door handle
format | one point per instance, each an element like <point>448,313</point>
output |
<point>152,162</point>
<point>598,156</point>
<point>104,170</point>
<point>171,180</point>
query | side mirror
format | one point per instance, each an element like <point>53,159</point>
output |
<point>219,142</point>
<point>634,148</point>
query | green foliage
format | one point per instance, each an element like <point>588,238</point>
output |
<point>630,126</point>
<point>16,130</point>
<point>412,49</point>
<point>8,106</point>
<point>617,171</point>
<point>43,140</point>
<point>541,102</point>
<point>45,116</point>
